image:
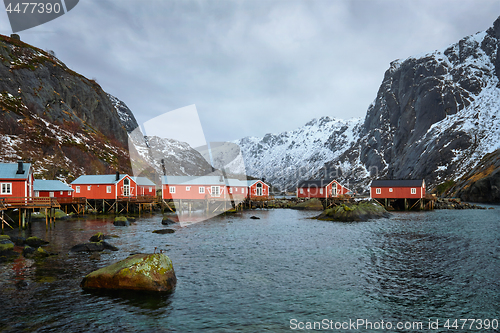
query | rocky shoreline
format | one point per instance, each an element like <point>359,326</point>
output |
<point>455,203</point>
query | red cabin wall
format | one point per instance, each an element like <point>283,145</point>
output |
<point>57,194</point>
<point>397,193</point>
<point>143,190</point>
<point>181,193</point>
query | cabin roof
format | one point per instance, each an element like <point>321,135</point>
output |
<point>315,183</point>
<point>206,180</point>
<point>50,185</point>
<point>397,183</point>
<point>192,180</point>
<point>9,171</point>
<point>143,181</point>
<point>97,179</point>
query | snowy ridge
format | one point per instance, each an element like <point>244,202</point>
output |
<point>286,158</point>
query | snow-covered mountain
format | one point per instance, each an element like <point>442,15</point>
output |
<point>435,116</point>
<point>286,158</point>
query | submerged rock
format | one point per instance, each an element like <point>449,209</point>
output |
<point>358,212</point>
<point>255,217</point>
<point>35,242</point>
<point>93,247</point>
<point>121,221</point>
<point>164,231</point>
<point>167,221</point>
<point>32,253</point>
<point>147,272</point>
<point>18,240</point>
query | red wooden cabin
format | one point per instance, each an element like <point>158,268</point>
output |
<point>52,189</point>
<point>145,187</point>
<point>323,188</point>
<point>16,180</point>
<point>104,186</point>
<point>257,189</point>
<point>397,189</point>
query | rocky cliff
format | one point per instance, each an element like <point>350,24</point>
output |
<point>435,115</point>
<point>482,184</point>
<point>61,121</point>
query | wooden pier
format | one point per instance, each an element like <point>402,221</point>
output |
<point>26,205</point>
<point>425,203</point>
<point>122,204</point>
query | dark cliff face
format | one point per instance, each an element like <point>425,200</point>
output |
<point>481,184</point>
<point>434,115</point>
<point>65,123</point>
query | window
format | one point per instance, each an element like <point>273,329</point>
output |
<point>201,189</point>
<point>378,191</point>
<point>172,189</point>
<point>150,189</point>
<point>37,194</point>
<point>69,193</point>
<point>51,194</point>
<point>231,190</point>
<point>413,191</point>
<point>6,188</point>
<point>320,191</point>
<point>89,187</point>
<point>236,190</point>
<point>215,191</point>
<point>334,191</point>
<point>390,190</point>
<point>77,189</point>
<point>61,193</point>
<point>108,189</point>
<point>301,191</point>
<point>188,188</point>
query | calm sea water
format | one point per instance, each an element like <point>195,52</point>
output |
<point>236,274</point>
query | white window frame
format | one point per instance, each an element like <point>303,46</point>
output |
<point>231,190</point>
<point>378,191</point>
<point>108,189</point>
<point>390,189</point>
<point>301,191</point>
<point>171,189</point>
<point>51,194</point>
<point>6,189</point>
<point>215,191</point>
<point>201,190</point>
<point>321,191</point>
<point>413,191</point>
<point>77,189</point>
<point>150,189</point>
<point>89,187</point>
<point>188,188</point>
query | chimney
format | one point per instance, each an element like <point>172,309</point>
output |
<point>117,176</point>
<point>20,168</point>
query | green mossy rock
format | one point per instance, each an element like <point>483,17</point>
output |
<point>35,242</point>
<point>146,272</point>
<point>6,244</point>
<point>97,237</point>
<point>357,212</point>
<point>121,221</point>
<point>311,204</point>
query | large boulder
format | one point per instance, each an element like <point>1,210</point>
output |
<point>6,244</point>
<point>145,272</point>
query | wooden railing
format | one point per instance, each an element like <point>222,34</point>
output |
<point>67,201</point>
<point>29,202</point>
<point>138,199</point>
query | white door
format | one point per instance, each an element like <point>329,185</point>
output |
<point>126,187</point>
<point>259,189</point>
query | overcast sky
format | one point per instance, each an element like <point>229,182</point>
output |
<point>255,66</point>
